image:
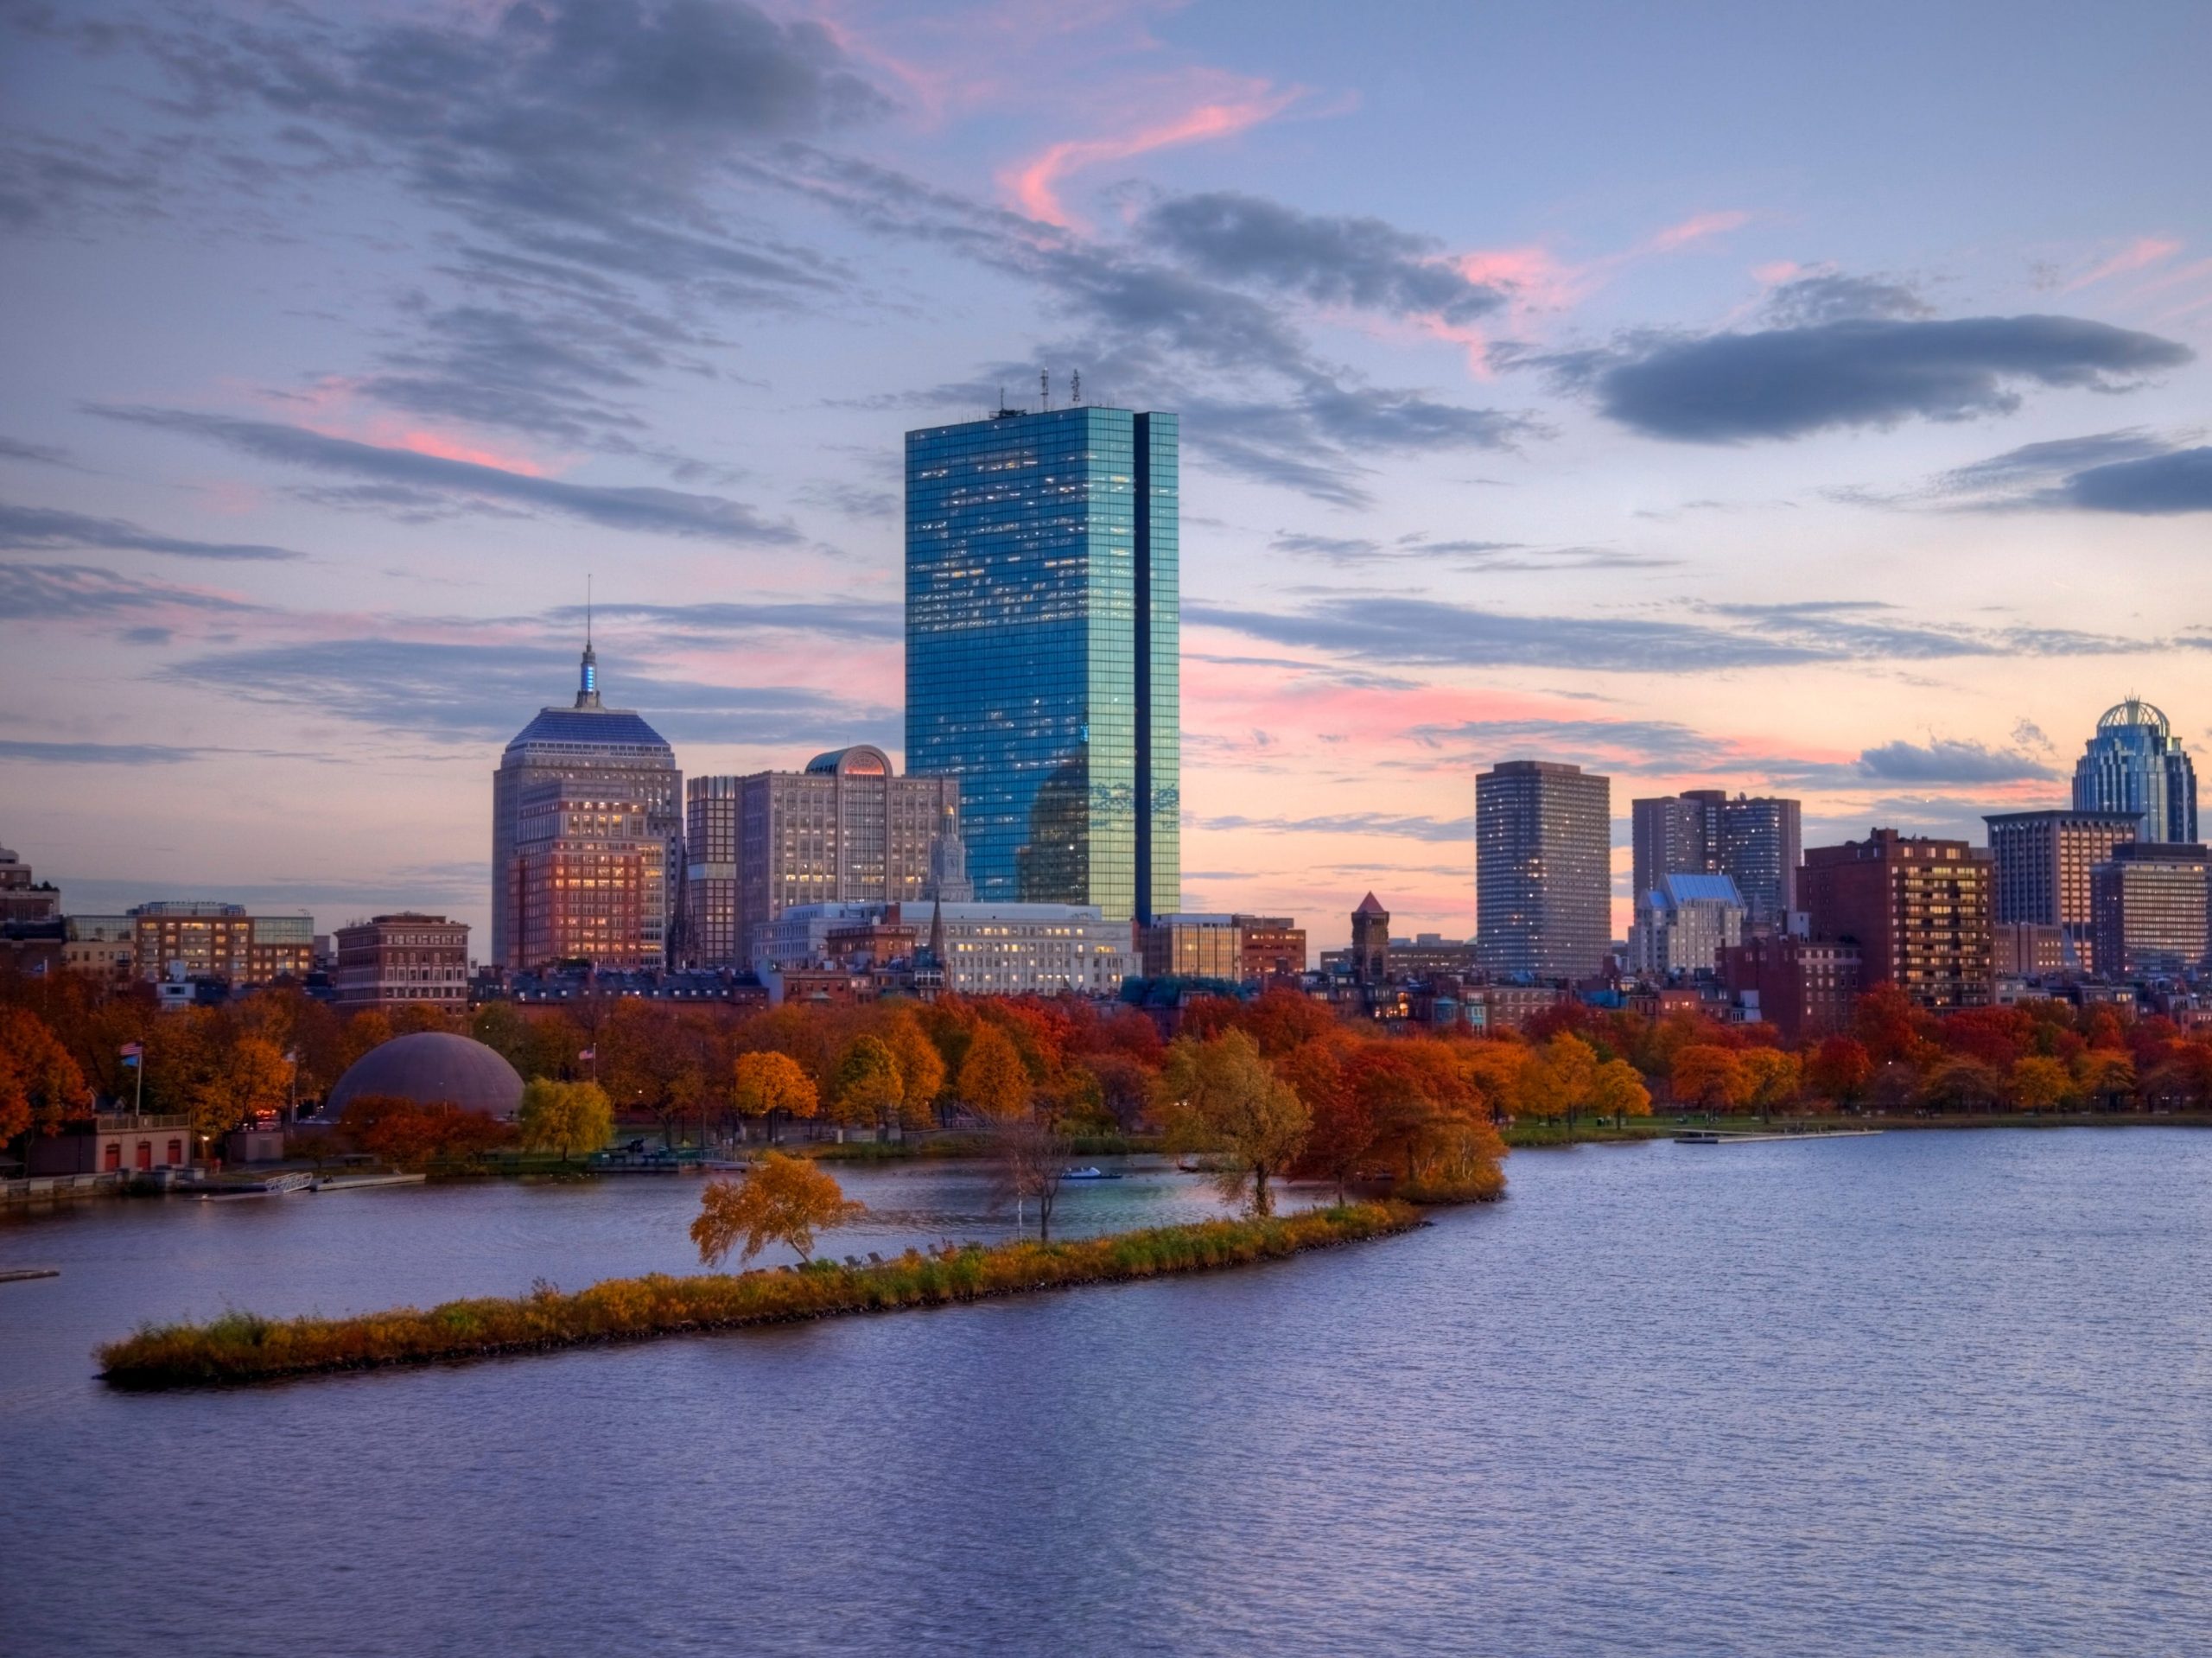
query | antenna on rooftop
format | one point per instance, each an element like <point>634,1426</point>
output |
<point>1044,389</point>
<point>1075,389</point>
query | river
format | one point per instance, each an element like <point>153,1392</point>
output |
<point>1939,1393</point>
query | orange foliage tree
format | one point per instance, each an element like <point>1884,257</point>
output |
<point>779,1199</point>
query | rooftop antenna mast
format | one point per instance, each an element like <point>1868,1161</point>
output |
<point>1044,389</point>
<point>1075,389</point>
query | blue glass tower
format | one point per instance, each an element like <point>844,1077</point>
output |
<point>2135,764</point>
<point>1042,651</point>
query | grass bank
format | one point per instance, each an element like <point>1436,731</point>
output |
<point>240,1347</point>
<point>958,1143</point>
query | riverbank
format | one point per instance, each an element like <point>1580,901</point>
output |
<point>1530,1136</point>
<point>239,1347</point>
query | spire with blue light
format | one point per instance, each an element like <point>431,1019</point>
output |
<point>587,687</point>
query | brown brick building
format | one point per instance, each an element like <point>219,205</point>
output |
<point>391,961</point>
<point>1803,986</point>
<point>1918,908</point>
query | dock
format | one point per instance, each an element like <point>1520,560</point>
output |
<point>1745,1137</point>
<point>16,1274</point>
<point>355,1182</point>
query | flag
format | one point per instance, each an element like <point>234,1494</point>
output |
<point>133,1053</point>
<point>589,1054</point>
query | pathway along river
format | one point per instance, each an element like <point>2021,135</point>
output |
<point>1928,1392</point>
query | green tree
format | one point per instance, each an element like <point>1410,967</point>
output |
<point>778,1200</point>
<point>1227,1101</point>
<point>565,1117</point>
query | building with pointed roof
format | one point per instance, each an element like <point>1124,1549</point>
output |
<point>610,753</point>
<point>2136,764</point>
<point>1370,942</point>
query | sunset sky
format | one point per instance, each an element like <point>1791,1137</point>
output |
<point>1790,399</point>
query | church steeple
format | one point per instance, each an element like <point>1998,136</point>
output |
<point>588,678</point>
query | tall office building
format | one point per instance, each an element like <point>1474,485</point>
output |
<point>586,869</point>
<point>1917,907</point>
<point>1042,651</point>
<point>1684,923</point>
<point>2044,860</point>
<point>1543,869</point>
<point>219,941</point>
<point>843,830</point>
<point>1756,842</point>
<point>2136,764</point>
<point>614,755</point>
<point>2150,902</point>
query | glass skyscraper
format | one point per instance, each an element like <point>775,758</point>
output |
<point>1543,869</point>
<point>1042,651</point>
<point>2136,764</point>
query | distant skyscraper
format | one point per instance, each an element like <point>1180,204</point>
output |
<point>2044,861</point>
<point>1042,651</point>
<point>1758,843</point>
<point>2136,764</point>
<point>1543,869</point>
<point>586,870</point>
<point>1917,908</point>
<point>844,830</point>
<point>2151,909</point>
<point>619,756</point>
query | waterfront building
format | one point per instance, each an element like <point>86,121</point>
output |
<point>1274,946</point>
<point>2136,764</point>
<point>2150,900</point>
<point>113,1143</point>
<point>2043,862</point>
<point>1192,947</point>
<point>1803,986</point>
<point>1758,843</point>
<point>1918,908</point>
<point>21,898</point>
<point>583,875</point>
<point>1020,950</point>
<point>1684,923</point>
<point>180,940</point>
<point>846,830</point>
<point>1370,942</point>
<point>1543,869</point>
<point>1042,651</point>
<point>615,755</point>
<point>390,962</point>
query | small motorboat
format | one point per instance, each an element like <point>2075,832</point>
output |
<point>1091,1173</point>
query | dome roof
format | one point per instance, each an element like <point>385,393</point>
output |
<point>431,1066</point>
<point>2134,712</point>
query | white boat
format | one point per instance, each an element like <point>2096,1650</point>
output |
<point>1091,1173</point>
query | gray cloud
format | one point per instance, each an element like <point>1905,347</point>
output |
<point>1400,827</point>
<point>1833,297</point>
<point>650,511</point>
<point>847,620</point>
<point>2132,470</point>
<point>37,529</point>
<point>1361,263</point>
<point>45,453</point>
<point>1941,760</point>
<point>2179,482</point>
<point>96,753</point>
<point>1785,382</point>
<point>485,693</point>
<point>71,592</point>
<point>1428,632</point>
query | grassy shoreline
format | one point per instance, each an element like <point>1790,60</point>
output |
<point>1526,1136</point>
<point>242,1348</point>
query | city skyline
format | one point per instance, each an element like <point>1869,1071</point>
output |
<point>320,419</point>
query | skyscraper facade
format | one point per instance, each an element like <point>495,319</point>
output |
<point>586,869</point>
<point>844,830</point>
<point>2044,861</point>
<point>1543,869</point>
<point>2136,764</point>
<point>621,756</point>
<point>1758,843</point>
<point>2151,900</point>
<point>1042,651</point>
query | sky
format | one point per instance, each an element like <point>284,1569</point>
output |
<point>1746,397</point>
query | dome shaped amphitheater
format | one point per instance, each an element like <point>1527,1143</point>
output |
<point>428,1068</point>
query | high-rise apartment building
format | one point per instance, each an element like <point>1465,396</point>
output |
<point>1042,651</point>
<point>2043,862</point>
<point>1917,907</point>
<point>845,830</point>
<point>1543,869</point>
<point>2136,764</point>
<point>219,941</point>
<point>584,874</point>
<point>1756,842</point>
<point>395,961</point>
<point>1274,946</point>
<point>2150,902</point>
<point>1684,923</point>
<point>615,755</point>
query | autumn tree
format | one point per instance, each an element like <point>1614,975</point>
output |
<point>921,1069</point>
<point>1618,1092</point>
<point>2039,1083</point>
<point>779,1199</point>
<point>2105,1073</point>
<point>993,1083</point>
<point>40,1083</point>
<point>1227,1101</point>
<point>409,1135</point>
<point>1710,1076</point>
<point>1341,1128</point>
<point>867,1087</point>
<point>1840,1069</point>
<point>1771,1077</point>
<point>565,1117</point>
<point>1032,1159</point>
<point>766,1082</point>
<point>1558,1081</point>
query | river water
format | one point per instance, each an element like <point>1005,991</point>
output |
<point>1925,1393</point>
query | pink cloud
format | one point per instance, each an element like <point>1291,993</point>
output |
<point>1034,184</point>
<point>1695,228</point>
<point>2144,251</point>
